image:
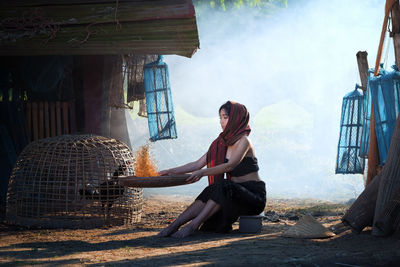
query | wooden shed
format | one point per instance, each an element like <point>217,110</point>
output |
<point>62,65</point>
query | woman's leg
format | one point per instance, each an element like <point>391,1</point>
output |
<point>191,212</point>
<point>210,208</point>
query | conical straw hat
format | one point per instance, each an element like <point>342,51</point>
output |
<point>308,227</point>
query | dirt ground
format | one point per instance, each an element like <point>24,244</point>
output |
<point>138,246</point>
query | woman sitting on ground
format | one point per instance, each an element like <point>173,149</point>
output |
<point>224,200</point>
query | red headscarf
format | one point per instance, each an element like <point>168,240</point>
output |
<point>237,126</point>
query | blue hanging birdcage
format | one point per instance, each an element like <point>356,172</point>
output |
<point>348,159</point>
<point>160,111</point>
<point>385,96</point>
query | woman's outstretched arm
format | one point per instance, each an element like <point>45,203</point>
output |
<point>190,167</point>
<point>239,150</point>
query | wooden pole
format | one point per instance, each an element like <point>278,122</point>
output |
<point>396,31</point>
<point>388,7</point>
<point>373,156</point>
<point>362,62</point>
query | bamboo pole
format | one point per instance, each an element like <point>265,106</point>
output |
<point>396,31</point>
<point>373,154</point>
<point>388,7</point>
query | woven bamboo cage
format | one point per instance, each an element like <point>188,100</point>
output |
<point>71,181</point>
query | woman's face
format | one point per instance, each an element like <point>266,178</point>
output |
<point>223,118</point>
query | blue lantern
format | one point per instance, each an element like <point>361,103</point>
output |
<point>348,159</point>
<point>160,111</point>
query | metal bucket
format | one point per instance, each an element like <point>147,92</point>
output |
<point>250,224</point>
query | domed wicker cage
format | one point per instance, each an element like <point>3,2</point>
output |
<point>71,181</point>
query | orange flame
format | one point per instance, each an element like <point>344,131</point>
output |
<point>144,164</point>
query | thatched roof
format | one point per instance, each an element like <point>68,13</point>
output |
<point>97,27</point>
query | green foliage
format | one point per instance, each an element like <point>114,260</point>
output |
<point>236,8</point>
<point>227,5</point>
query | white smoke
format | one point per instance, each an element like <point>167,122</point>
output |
<point>291,70</point>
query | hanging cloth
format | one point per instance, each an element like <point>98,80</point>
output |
<point>348,160</point>
<point>238,125</point>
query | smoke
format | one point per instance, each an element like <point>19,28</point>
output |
<point>291,70</point>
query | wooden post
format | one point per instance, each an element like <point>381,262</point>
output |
<point>396,31</point>
<point>373,156</point>
<point>58,117</point>
<point>46,119</point>
<point>35,121</point>
<point>52,119</point>
<point>41,120</point>
<point>29,119</point>
<point>362,62</point>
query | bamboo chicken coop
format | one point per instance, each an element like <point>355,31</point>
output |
<point>71,181</point>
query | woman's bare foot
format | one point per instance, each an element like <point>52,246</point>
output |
<point>168,231</point>
<point>185,231</point>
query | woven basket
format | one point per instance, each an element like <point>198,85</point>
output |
<point>390,182</point>
<point>156,181</point>
<point>361,212</point>
<point>70,181</point>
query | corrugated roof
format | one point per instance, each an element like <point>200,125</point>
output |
<point>101,27</point>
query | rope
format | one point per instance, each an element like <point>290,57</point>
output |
<point>89,33</point>
<point>29,25</point>
<point>119,26</point>
<point>388,44</point>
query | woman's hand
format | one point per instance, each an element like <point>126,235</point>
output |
<point>195,176</point>
<point>164,172</point>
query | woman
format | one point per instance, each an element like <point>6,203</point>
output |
<point>224,200</point>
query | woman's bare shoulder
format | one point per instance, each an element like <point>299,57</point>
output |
<point>244,140</point>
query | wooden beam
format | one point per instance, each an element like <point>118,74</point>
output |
<point>67,13</point>
<point>149,37</point>
<point>373,154</point>
<point>363,68</point>
<point>98,28</point>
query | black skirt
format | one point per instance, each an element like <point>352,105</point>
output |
<point>235,199</point>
